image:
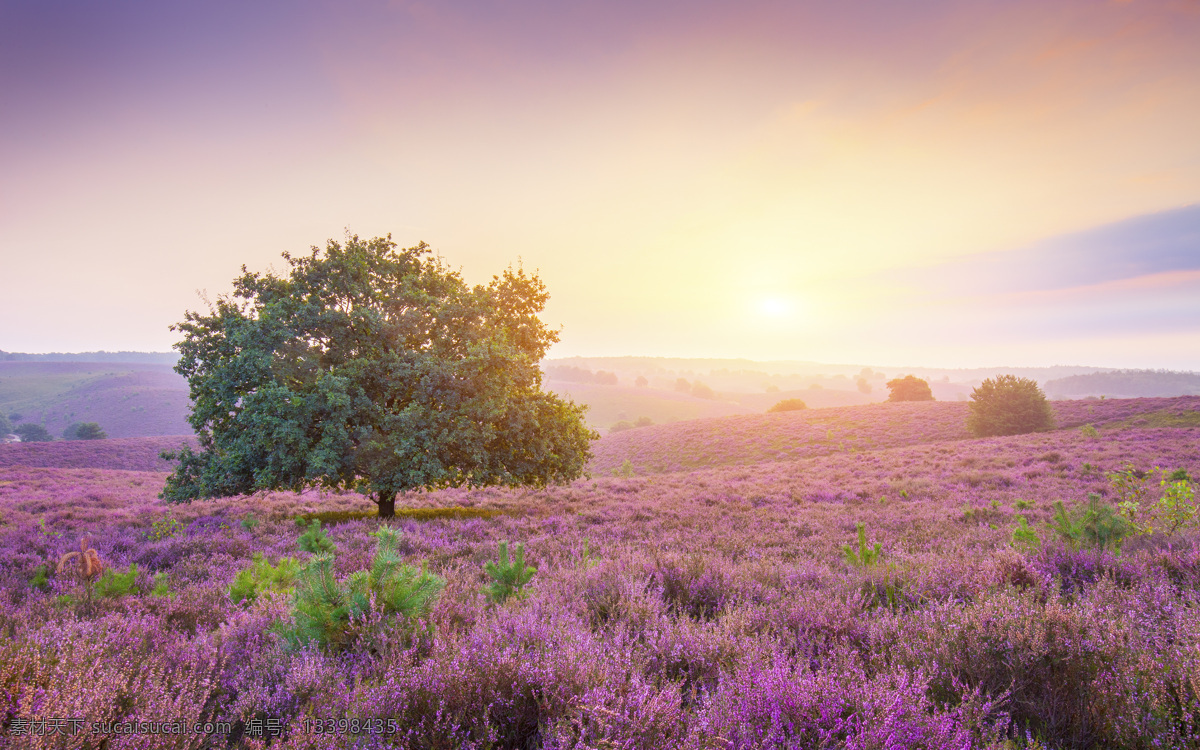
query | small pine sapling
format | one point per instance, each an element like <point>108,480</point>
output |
<point>397,588</point>
<point>249,523</point>
<point>113,585</point>
<point>1025,538</point>
<point>1098,526</point>
<point>865,556</point>
<point>1064,525</point>
<point>508,577</point>
<point>161,586</point>
<point>585,558</point>
<point>320,611</point>
<point>323,608</point>
<point>262,577</point>
<point>41,577</point>
<point>315,541</point>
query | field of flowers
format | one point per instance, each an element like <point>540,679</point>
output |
<point>707,608</point>
<point>131,454</point>
<point>795,435</point>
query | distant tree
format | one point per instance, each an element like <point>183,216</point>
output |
<point>571,374</point>
<point>772,388</point>
<point>606,378</point>
<point>72,431</point>
<point>863,385</point>
<point>376,370</point>
<point>16,416</point>
<point>909,388</point>
<point>788,404</point>
<point>641,381</point>
<point>90,431</point>
<point>683,386</point>
<point>33,433</point>
<point>621,426</point>
<point>6,426</point>
<point>1008,405</point>
<point>643,422</point>
<point>700,390</point>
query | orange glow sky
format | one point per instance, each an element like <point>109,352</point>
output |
<point>940,183</point>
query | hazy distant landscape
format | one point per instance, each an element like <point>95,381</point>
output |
<point>136,394</point>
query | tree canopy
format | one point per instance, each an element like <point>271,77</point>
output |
<point>377,370</point>
<point>909,388</point>
<point>85,431</point>
<point>1008,405</point>
<point>31,432</point>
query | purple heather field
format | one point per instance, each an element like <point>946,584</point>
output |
<point>693,593</point>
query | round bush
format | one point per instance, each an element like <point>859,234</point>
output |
<point>1008,405</point>
<point>909,388</point>
<point>788,404</point>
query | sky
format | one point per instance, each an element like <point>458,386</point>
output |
<point>934,183</point>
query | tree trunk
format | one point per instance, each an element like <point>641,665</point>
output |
<point>387,504</point>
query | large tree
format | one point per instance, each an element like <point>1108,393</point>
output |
<point>372,369</point>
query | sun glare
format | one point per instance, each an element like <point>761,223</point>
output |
<point>776,307</point>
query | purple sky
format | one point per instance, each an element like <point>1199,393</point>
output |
<point>922,183</point>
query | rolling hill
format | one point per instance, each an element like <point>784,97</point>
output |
<point>126,399</point>
<point>791,436</point>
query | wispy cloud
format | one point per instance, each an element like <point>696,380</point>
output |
<point>1154,245</point>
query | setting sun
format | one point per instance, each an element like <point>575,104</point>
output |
<point>777,307</point>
